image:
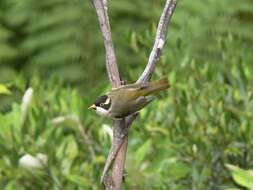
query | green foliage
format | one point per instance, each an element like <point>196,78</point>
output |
<point>183,140</point>
<point>242,177</point>
<point>46,34</point>
<point>60,141</point>
<point>4,89</point>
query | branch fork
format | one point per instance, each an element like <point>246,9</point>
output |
<point>118,149</point>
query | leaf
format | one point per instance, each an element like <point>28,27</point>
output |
<point>68,149</point>
<point>4,89</point>
<point>134,43</point>
<point>142,151</point>
<point>177,169</point>
<point>241,176</point>
<point>71,148</point>
<point>11,185</point>
<point>78,180</point>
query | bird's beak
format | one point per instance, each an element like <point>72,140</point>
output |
<point>93,106</point>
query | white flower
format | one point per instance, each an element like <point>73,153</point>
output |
<point>33,162</point>
<point>26,102</point>
<point>27,98</point>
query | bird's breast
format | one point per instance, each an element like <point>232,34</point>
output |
<point>101,111</point>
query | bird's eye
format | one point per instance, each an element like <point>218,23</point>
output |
<point>102,104</point>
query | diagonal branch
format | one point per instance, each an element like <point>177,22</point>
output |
<point>114,77</point>
<point>111,62</point>
<point>120,127</point>
<point>160,38</point>
<point>146,75</point>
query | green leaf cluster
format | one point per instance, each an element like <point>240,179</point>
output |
<point>242,177</point>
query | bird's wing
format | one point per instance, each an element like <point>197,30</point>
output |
<point>122,109</point>
<point>127,93</point>
<point>136,86</point>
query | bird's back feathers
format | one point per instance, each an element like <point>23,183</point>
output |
<point>137,96</point>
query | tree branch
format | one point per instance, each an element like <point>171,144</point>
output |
<point>146,75</point>
<point>111,62</point>
<point>160,38</point>
<point>120,127</point>
<point>114,77</point>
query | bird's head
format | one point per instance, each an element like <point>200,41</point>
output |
<point>102,105</point>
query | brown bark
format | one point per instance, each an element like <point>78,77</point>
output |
<point>120,127</point>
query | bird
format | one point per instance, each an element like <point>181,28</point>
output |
<point>128,99</point>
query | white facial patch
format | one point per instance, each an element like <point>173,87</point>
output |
<point>101,111</point>
<point>107,101</point>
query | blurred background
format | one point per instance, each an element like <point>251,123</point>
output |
<point>197,135</point>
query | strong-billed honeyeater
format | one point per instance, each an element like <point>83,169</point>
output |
<point>128,99</point>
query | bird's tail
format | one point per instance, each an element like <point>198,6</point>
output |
<point>156,86</point>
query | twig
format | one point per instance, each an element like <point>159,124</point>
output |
<point>120,127</point>
<point>145,76</point>
<point>111,62</point>
<point>119,164</point>
<point>160,38</point>
<point>114,77</point>
<point>119,134</point>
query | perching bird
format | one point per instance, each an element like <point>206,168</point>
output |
<point>128,99</point>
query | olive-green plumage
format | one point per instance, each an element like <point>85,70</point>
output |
<point>128,99</point>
